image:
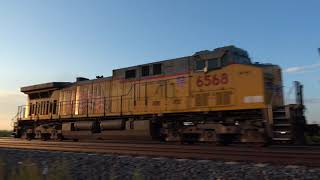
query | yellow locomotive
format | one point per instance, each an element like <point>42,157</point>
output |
<point>211,96</point>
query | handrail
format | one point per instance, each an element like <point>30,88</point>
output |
<point>59,105</point>
<point>103,105</point>
<point>14,119</point>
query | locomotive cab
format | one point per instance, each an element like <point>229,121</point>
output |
<point>206,60</point>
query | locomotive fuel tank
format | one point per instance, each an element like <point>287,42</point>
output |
<point>112,125</point>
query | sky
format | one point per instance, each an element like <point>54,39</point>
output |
<point>45,41</point>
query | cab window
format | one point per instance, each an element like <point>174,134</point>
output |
<point>145,70</point>
<point>157,69</point>
<point>213,64</point>
<point>200,65</point>
<point>242,60</point>
<point>225,60</point>
<point>234,59</point>
<point>130,74</point>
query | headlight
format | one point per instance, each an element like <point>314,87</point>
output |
<point>188,123</point>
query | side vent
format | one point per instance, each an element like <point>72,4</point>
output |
<point>201,99</point>
<point>223,98</point>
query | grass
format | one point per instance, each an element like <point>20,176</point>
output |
<point>137,175</point>
<point>313,139</point>
<point>29,170</point>
<point>5,133</point>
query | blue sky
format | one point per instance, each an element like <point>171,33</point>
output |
<point>42,41</point>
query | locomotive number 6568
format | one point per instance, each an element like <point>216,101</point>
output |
<point>212,80</point>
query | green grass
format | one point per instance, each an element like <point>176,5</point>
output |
<point>5,133</point>
<point>26,169</point>
<point>312,140</point>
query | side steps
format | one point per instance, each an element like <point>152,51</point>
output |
<point>282,125</point>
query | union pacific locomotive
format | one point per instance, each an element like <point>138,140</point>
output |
<point>216,96</point>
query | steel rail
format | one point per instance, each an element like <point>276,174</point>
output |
<point>287,149</point>
<point>175,151</point>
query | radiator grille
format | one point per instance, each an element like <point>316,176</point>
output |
<point>223,98</point>
<point>201,99</point>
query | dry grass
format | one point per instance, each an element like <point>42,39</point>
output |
<point>5,133</point>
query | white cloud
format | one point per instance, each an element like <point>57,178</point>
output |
<point>298,69</point>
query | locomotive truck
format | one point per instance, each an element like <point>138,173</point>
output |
<point>216,96</point>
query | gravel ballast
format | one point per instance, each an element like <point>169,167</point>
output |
<point>26,164</point>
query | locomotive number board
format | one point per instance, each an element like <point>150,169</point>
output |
<point>212,80</point>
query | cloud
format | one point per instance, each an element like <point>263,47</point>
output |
<point>299,69</point>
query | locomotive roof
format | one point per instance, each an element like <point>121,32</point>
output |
<point>215,53</point>
<point>44,86</point>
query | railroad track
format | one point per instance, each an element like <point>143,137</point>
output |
<point>306,157</point>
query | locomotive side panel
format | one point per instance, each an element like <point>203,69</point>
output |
<point>249,86</point>
<point>233,87</point>
<point>98,94</point>
<point>178,85</point>
<point>227,88</point>
<point>66,99</point>
<point>140,97</point>
<point>127,97</point>
<point>115,97</point>
<point>101,100</point>
<point>155,95</point>
<point>178,94</point>
<point>82,104</point>
<point>151,88</point>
